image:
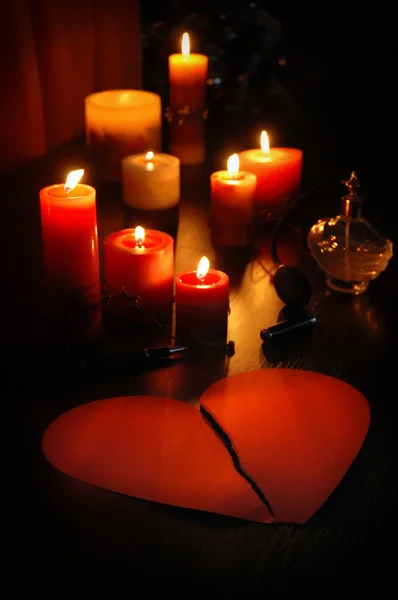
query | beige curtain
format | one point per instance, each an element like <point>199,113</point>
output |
<point>53,53</point>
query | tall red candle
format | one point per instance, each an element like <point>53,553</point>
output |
<point>187,140</point>
<point>187,76</point>
<point>187,79</point>
<point>70,243</point>
<point>278,172</point>
<point>141,262</point>
<point>202,303</point>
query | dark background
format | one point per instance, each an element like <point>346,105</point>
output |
<point>337,100</point>
<point>335,95</point>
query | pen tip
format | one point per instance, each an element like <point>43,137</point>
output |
<point>176,349</point>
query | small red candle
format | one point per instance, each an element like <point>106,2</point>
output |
<point>232,205</point>
<point>188,76</point>
<point>70,243</point>
<point>141,262</point>
<point>202,303</point>
<point>278,172</point>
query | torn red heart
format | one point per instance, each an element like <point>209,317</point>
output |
<point>294,435</point>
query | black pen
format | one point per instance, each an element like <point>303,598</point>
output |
<point>286,327</point>
<point>141,356</point>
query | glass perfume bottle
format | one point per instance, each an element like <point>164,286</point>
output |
<point>347,248</point>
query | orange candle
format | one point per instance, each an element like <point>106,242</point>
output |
<point>232,205</point>
<point>187,140</point>
<point>202,302</point>
<point>187,78</point>
<point>70,243</point>
<point>141,262</point>
<point>278,172</point>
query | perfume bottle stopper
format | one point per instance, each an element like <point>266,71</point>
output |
<point>352,202</point>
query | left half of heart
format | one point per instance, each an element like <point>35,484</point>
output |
<point>153,448</point>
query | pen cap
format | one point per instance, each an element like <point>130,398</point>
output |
<point>286,327</point>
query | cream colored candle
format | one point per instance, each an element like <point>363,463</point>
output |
<point>120,123</point>
<point>151,181</point>
<point>232,205</point>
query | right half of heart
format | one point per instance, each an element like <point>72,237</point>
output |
<point>292,434</point>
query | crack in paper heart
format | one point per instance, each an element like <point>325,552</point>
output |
<point>228,445</point>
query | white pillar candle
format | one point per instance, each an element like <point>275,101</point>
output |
<point>122,122</point>
<point>151,181</point>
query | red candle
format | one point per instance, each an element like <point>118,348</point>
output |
<point>202,303</point>
<point>141,262</point>
<point>187,77</point>
<point>70,243</point>
<point>187,140</point>
<point>232,205</point>
<point>278,172</point>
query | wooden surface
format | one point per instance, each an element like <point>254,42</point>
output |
<point>75,541</point>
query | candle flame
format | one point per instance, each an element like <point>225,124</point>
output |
<point>73,179</point>
<point>185,45</point>
<point>139,234</point>
<point>233,165</point>
<point>264,142</point>
<point>149,156</point>
<point>203,268</point>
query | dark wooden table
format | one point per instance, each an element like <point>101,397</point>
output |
<point>65,539</point>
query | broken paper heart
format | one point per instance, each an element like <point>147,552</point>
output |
<point>266,446</point>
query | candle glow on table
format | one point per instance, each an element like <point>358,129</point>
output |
<point>141,262</point>
<point>278,172</point>
<point>151,181</point>
<point>202,303</point>
<point>70,243</point>
<point>232,204</point>
<point>120,123</point>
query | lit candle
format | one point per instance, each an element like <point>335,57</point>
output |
<point>151,181</point>
<point>70,242</point>
<point>187,77</point>
<point>141,262</point>
<point>119,123</point>
<point>278,172</point>
<point>232,205</point>
<point>202,301</point>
